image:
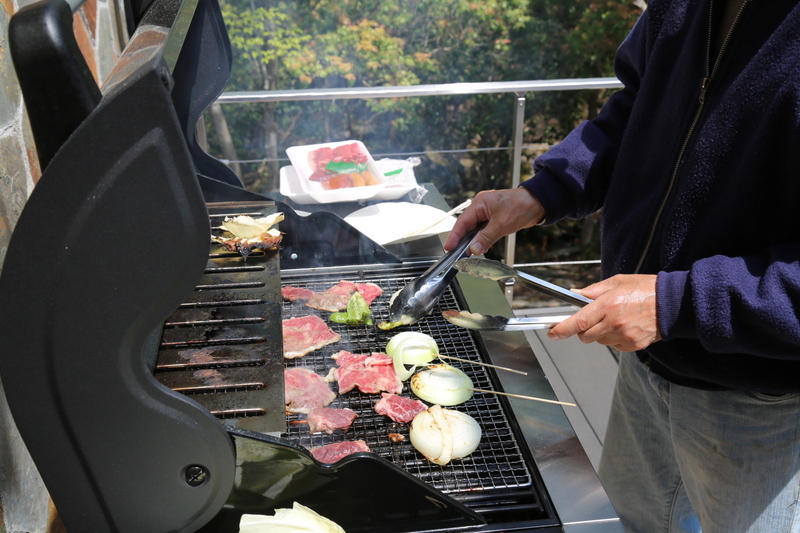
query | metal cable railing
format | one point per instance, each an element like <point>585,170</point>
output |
<point>443,89</point>
<point>520,88</point>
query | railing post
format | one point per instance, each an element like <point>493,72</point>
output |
<point>516,169</point>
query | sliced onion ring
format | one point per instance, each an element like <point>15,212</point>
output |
<point>441,421</point>
<point>443,385</point>
<point>402,372</point>
<point>411,347</point>
<point>442,435</point>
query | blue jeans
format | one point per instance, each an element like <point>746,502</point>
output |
<point>677,458</point>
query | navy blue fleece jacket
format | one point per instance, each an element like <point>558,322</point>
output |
<point>717,185</point>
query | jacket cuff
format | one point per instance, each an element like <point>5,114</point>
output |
<point>552,194</point>
<point>674,308</point>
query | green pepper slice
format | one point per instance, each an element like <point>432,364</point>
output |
<point>358,312</point>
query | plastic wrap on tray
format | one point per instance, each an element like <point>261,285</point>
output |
<point>345,165</point>
<point>345,172</point>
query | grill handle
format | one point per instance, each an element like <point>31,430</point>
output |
<point>57,84</point>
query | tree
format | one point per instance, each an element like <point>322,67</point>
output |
<point>280,50</point>
<point>264,38</point>
<point>351,43</point>
<point>575,39</point>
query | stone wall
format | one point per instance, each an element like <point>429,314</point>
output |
<point>99,28</point>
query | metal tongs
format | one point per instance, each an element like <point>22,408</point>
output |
<point>494,270</point>
<point>415,300</point>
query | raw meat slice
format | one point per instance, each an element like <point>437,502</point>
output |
<point>370,373</point>
<point>331,453</point>
<point>349,153</point>
<point>399,408</point>
<point>305,390</point>
<point>327,419</point>
<point>317,159</point>
<point>369,291</point>
<point>334,298</point>
<point>321,174</point>
<point>306,334</point>
<point>296,294</point>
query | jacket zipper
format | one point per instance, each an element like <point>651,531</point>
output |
<point>709,76</point>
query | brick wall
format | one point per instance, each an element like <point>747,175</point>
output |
<point>100,31</point>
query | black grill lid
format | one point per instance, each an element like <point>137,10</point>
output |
<point>85,288</point>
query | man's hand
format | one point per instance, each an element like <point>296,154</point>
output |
<point>507,211</point>
<point>623,314</point>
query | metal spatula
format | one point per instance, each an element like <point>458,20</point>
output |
<point>480,322</point>
<point>489,269</point>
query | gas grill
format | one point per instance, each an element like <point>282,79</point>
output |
<point>497,467</point>
<point>143,365</point>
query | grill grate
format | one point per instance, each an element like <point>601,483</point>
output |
<point>222,346</point>
<point>497,463</point>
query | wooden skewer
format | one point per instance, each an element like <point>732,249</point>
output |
<point>524,397</point>
<point>452,212</point>
<point>483,364</point>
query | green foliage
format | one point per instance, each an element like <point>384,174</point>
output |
<point>352,43</point>
<point>304,44</point>
<point>262,37</point>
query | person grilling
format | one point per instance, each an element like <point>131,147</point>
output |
<point>695,163</point>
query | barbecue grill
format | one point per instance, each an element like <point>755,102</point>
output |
<point>143,365</point>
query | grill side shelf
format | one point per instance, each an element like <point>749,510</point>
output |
<point>222,347</point>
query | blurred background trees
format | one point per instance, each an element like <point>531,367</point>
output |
<point>462,141</point>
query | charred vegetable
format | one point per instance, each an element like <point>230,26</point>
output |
<point>386,326</point>
<point>250,233</point>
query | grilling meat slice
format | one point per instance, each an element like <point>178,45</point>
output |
<point>296,294</point>
<point>370,373</point>
<point>369,291</point>
<point>328,419</point>
<point>399,408</point>
<point>306,334</point>
<point>334,298</point>
<point>305,390</point>
<point>331,453</point>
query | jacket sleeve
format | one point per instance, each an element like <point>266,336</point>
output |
<point>571,178</point>
<point>744,304</point>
